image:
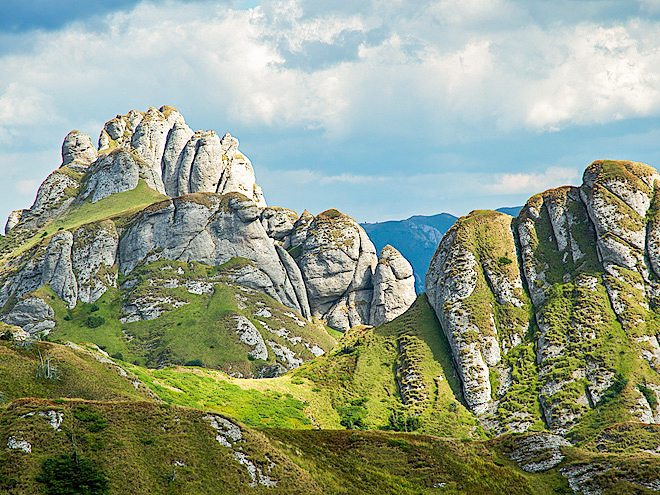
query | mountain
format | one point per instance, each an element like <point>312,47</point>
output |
<point>552,316</point>
<point>162,227</point>
<point>417,238</point>
<point>163,330</point>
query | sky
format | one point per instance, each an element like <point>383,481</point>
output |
<point>382,109</point>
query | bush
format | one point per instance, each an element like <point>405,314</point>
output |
<point>94,308</point>
<point>404,421</point>
<point>503,260</point>
<point>352,416</point>
<point>68,474</point>
<point>94,321</point>
<point>195,362</point>
<point>7,335</point>
<point>615,389</point>
<point>117,355</point>
<point>648,394</point>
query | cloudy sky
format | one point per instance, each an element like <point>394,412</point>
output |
<point>380,108</point>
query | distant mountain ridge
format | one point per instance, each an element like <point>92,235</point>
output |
<point>417,237</point>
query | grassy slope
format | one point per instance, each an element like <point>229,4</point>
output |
<point>78,373</point>
<point>203,329</point>
<point>361,373</point>
<point>135,444</point>
<point>583,321</point>
<point>143,447</point>
<point>118,205</point>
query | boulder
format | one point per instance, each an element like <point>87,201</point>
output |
<point>78,150</point>
<point>337,262</point>
<point>211,229</point>
<point>93,259</point>
<point>394,286</point>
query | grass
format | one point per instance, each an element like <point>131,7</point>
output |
<point>362,372</point>
<point>78,375</point>
<point>120,204</point>
<point>202,329</point>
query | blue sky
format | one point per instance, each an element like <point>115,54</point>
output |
<point>380,108</point>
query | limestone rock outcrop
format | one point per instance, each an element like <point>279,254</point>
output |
<point>278,222</point>
<point>477,293</point>
<point>210,229</point>
<point>116,172</point>
<point>587,256</point>
<point>93,257</point>
<point>178,161</point>
<point>78,151</point>
<point>323,267</point>
<point>337,263</point>
<point>394,286</point>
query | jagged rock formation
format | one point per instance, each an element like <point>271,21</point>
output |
<point>181,161</point>
<point>394,286</point>
<point>586,256</point>
<point>337,263</point>
<point>212,229</point>
<point>78,150</point>
<point>105,216</point>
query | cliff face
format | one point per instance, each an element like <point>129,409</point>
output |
<point>586,338</point>
<point>156,191</point>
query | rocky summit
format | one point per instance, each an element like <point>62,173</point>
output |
<point>163,330</point>
<point>155,191</point>
<point>559,305</point>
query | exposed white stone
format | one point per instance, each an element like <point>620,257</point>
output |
<point>15,443</point>
<point>248,334</point>
<point>394,287</point>
<point>77,147</point>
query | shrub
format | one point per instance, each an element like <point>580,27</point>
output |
<point>648,394</point>
<point>68,474</point>
<point>117,355</point>
<point>352,416</point>
<point>403,421</point>
<point>503,260</point>
<point>94,321</point>
<point>615,389</point>
<point>94,308</point>
<point>195,362</point>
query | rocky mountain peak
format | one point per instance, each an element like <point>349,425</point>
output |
<point>587,258</point>
<point>186,197</point>
<point>77,147</point>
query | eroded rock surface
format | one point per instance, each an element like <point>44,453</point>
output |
<point>587,259</point>
<point>394,286</point>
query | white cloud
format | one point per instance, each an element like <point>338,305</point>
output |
<point>405,74</point>
<point>532,183</point>
<point>22,105</point>
<point>496,79</point>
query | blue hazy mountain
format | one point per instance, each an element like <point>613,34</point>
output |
<point>417,237</point>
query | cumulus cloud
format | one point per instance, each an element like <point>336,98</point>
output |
<point>398,74</point>
<point>393,66</point>
<point>532,183</point>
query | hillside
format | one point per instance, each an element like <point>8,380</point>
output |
<point>551,316</point>
<point>159,246</point>
<point>163,330</point>
<point>118,439</point>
